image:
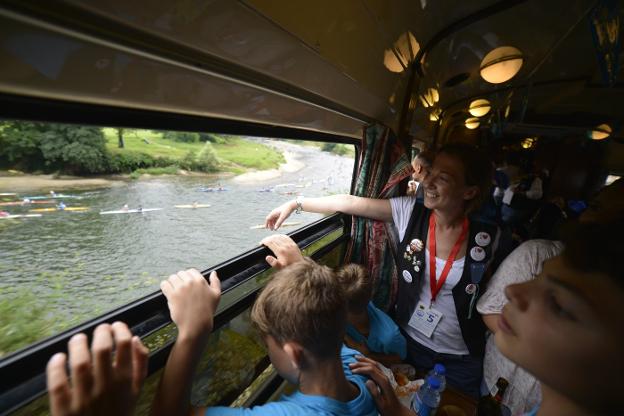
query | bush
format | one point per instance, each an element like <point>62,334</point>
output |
<point>181,136</point>
<point>205,161</point>
<point>335,148</point>
<point>129,161</point>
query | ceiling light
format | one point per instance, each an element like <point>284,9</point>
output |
<point>528,142</point>
<point>472,123</point>
<point>430,97</point>
<point>435,114</point>
<point>501,64</point>
<point>479,108</point>
<point>399,56</point>
<point>601,132</point>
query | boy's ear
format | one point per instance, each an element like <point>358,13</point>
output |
<point>295,354</point>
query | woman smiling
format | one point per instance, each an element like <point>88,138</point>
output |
<point>445,257</point>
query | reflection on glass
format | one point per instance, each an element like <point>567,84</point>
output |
<point>174,200</point>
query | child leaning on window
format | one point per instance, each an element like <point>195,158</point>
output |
<point>369,330</point>
<point>301,317</point>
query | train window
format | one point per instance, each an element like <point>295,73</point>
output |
<point>235,364</point>
<point>139,205</point>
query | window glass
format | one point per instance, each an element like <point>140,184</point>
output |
<point>74,245</point>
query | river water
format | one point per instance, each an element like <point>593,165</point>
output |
<point>68,266</point>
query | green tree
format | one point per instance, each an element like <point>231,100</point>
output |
<point>120,139</point>
<point>75,149</point>
<point>181,136</point>
<point>20,145</point>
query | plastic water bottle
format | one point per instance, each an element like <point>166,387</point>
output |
<point>427,399</point>
<point>439,372</point>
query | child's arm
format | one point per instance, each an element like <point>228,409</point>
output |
<point>99,384</point>
<point>379,386</point>
<point>192,303</point>
<point>386,359</point>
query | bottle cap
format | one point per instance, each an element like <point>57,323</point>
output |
<point>433,382</point>
<point>439,368</point>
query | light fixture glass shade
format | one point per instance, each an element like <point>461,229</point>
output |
<point>430,97</point>
<point>601,132</point>
<point>501,64</point>
<point>435,114</point>
<point>528,142</point>
<point>472,123</point>
<point>480,107</point>
<point>404,50</point>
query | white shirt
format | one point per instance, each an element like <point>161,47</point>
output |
<point>447,337</point>
<point>522,265</point>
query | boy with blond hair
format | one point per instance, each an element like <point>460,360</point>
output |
<point>301,316</point>
<point>369,330</point>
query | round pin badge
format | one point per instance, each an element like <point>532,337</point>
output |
<point>407,276</point>
<point>471,288</point>
<point>477,253</point>
<point>483,239</point>
<point>416,245</point>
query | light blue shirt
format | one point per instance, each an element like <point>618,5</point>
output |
<point>305,404</point>
<point>384,335</point>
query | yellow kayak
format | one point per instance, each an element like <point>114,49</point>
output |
<point>56,209</point>
<point>192,206</point>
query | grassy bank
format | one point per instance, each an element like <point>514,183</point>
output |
<point>233,154</point>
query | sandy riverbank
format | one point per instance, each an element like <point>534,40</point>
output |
<point>25,183</point>
<point>293,164</point>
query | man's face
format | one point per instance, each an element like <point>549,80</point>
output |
<point>421,170</point>
<point>567,328</point>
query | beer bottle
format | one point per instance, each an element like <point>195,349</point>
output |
<point>493,405</point>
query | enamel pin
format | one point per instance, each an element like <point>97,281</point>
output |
<point>483,239</point>
<point>407,276</point>
<point>477,253</point>
<point>471,288</point>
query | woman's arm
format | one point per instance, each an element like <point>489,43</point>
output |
<point>375,209</point>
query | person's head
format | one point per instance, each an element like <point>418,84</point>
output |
<point>357,287</point>
<point>606,205</point>
<point>421,164</point>
<point>301,314</point>
<point>566,327</point>
<point>460,176</point>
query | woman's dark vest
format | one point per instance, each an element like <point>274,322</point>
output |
<point>472,326</point>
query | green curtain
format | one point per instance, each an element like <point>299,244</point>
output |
<point>384,164</point>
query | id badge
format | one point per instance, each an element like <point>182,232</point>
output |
<point>425,319</point>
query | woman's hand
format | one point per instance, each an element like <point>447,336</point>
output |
<point>192,302</point>
<point>379,386</point>
<point>279,215</point>
<point>100,384</point>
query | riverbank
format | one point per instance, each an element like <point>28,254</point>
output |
<point>27,182</point>
<point>292,164</point>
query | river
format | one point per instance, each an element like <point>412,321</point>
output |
<point>68,266</point>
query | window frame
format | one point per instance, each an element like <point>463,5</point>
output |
<point>22,373</point>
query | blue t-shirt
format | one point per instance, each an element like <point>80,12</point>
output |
<point>305,404</point>
<point>384,335</point>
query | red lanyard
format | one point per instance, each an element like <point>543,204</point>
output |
<point>435,288</point>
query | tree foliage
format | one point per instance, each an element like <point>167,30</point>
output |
<point>68,148</point>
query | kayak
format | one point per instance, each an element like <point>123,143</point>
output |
<point>284,224</point>
<point>5,204</point>
<point>192,206</point>
<point>130,211</point>
<point>265,190</point>
<point>55,196</point>
<point>57,209</point>
<point>7,194</point>
<point>213,189</point>
<point>20,216</point>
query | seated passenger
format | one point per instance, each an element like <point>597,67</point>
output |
<point>301,315</point>
<point>522,265</point>
<point>566,327</point>
<point>369,330</point>
<point>421,165</point>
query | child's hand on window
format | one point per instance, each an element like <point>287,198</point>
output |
<point>285,249</point>
<point>192,302</point>
<point>100,385</point>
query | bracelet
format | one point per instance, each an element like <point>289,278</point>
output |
<point>299,201</point>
